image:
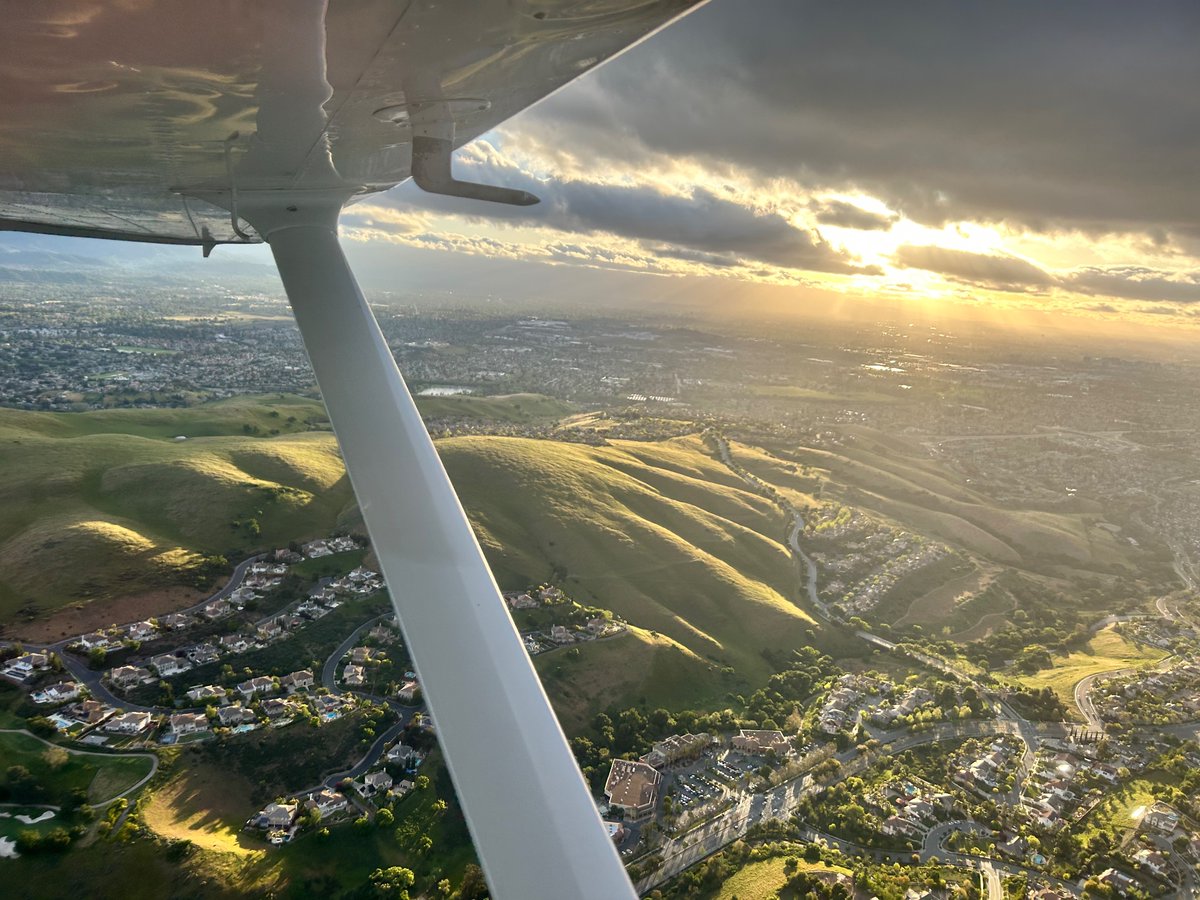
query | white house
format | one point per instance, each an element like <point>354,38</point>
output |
<point>188,723</point>
<point>129,723</point>
<point>167,664</point>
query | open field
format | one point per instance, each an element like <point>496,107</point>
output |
<point>1107,651</point>
<point>57,772</point>
<point>762,880</point>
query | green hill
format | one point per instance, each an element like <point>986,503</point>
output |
<point>641,529</point>
<point>106,504</point>
<point>659,532</point>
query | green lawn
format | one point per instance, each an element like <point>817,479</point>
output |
<point>11,826</point>
<point>1123,807</point>
<point>55,777</point>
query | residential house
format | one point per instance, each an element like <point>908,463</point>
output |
<point>1118,880</point>
<point>95,641</point>
<point>354,676</point>
<point>276,708</point>
<point>231,716</point>
<point>297,681</point>
<point>57,693</point>
<point>408,691</point>
<point>217,609</point>
<point>560,634</point>
<point>897,826</point>
<point>188,723</point>
<point>270,629</point>
<point>277,819</point>
<point>234,643</point>
<point>327,803</point>
<point>175,621</point>
<point>203,692</point>
<point>401,755</point>
<point>376,783</point>
<point>25,665</point>
<point>360,655</point>
<point>128,676</point>
<point>362,574</point>
<point>140,631</point>
<point>1153,861</point>
<point>168,664</point>
<point>203,654</point>
<point>258,685</point>
<point>89,712</point>
<point>242,596</point>
<point>316,549</point>
<point>632,787</point>
<point>129,723</point>
<point>521,601</point>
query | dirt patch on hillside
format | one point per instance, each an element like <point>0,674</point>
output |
<point>72,620</point>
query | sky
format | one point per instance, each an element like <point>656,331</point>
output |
<point>1004,157</point>
<point>1018,155</point>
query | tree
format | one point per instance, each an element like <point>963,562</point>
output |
<point>474,887</point>
<point>393,881</point>
<point>422,782</point>
<point>384,818</point>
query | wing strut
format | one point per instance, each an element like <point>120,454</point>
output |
<point>529,810</point>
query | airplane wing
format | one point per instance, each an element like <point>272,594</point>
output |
<point>116,119</point>
<point>236,121</point>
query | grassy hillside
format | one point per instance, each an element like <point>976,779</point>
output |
<point>637,528</point>
<point>87,513</point>
<point>657,531</point>
<point>516,408</point>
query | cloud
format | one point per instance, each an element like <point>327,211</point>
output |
<point>1136,283</point>
<point>697,221</point>
<point>1009,273</point>
<point>1005,273</point>
<point>846,215</point>
<point>1071,115</point>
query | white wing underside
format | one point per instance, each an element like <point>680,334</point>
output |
<point>116,118</point>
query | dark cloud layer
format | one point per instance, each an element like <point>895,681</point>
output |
<point>847,215</point>
<point>1081,115</point>
<point>697,223</point>
<point>982,269</point>
<point>1008,273</point>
